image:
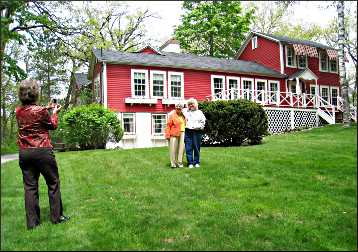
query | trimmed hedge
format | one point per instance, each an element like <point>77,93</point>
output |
<point>230,123</point>
<point>91,126</point>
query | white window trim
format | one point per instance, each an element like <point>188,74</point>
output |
<point>252,86</point>
<point>315,87</point>
<point>228,78</point>
<point>164,83</point>
<point>152,121</point>
<point>319,63</point>
<point>254,43</point>
<point>146,82</point>
<point>298,65</point>
<point>329,62</point>
<point>212,83</point>
<point>278,90</point>
<point>170,83</point>
<point>328,93</point>
<point>134,123</point>
<point>294,58</point>
<point>265,89</point>
<point>332,88</point>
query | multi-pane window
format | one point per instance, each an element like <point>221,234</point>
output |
<point>323,61</point>
<point>293,88</point>
<point>324,93</point>
<point>260,90</point>
<point>96,85</point>
<point>334,94</point>
<point>233,89</point>
<point>302,61</point>
<point>313,90</point>
<point>273,91</point>
<point>175,85</point>
<point>290,56</point>
<point>218,85</point>
<point>158,124</point>
<point>158,85</point>
<point>247,89</point>
<point>129,123</point>
<point>139,81</point>
<point>333,65</point>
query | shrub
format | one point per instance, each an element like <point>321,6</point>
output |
<point>91,126</point>
<point>232,122</point>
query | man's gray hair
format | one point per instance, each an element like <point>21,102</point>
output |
<point>193,101</point>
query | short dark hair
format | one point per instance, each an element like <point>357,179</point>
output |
<point>28,92</point>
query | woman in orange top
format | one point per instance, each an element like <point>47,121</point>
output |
<point>175,132</point>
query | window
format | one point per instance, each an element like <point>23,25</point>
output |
<point>290,56</point>
<point>323,62</point>
<point>158,124</point>
<point>273,91</point>
<point>313,90</point>
<point>260,90</point>
<point>129,123</point>
<point>302,61</point>
<point>158,83</point>
<point>254,42</point>
<point>333,66</point>
<point>247,88</point>
<point>139,83</point>
<point>176,85</point>
<point>233,85</point>
<point>217,86</point>
<point>96,86</point>
<point>334,94</point>
<point>293,87</point>
<point>324,93</point>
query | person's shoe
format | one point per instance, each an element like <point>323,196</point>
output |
<point>191,166</point>
<point>64,218</point>
<point>173,166</point>
<point>197,166</point>
<point>180,165</point>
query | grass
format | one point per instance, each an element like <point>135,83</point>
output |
<point>10,147</point>
<point>295,191</point>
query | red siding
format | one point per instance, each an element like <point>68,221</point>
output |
<point>148,51</point>
<point>267,53</point>
<point>197,84</point>
<point>324,78</point>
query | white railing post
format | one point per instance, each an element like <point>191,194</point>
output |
<point>291,99</point>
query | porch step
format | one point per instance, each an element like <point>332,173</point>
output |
<point>325,116</point>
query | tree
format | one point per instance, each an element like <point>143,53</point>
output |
<point>342,68</point>
<point>214,28</point>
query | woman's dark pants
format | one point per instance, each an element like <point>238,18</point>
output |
<point>34,162</point>
<point>192,143</point>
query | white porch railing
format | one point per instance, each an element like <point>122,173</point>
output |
<point>284,99</point>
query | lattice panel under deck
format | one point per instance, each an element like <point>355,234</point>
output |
<point>278,120</point>
<point>305,119</point>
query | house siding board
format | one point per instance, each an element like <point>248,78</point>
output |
<point>267,53</point>
<point>197,84</point>
<point>148,51</point>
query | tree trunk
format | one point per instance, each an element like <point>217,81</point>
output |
<point>70,89</point>
<point>342,68</point>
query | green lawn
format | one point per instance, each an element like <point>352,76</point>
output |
<point>295,191</point>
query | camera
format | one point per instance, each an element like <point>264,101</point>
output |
<point>54,100</point>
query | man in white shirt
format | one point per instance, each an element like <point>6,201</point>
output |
<point>195,123</point>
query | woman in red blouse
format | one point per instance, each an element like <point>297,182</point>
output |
<point>36,155</point>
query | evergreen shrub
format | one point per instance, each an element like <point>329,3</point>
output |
<point>231,123</point>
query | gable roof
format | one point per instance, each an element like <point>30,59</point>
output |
<point>150,48</point>
<point>282,39</point>
<point>186,61</point>
<point>303,73</point>
<point>81,79</point>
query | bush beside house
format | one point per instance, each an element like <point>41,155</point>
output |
<point>230,123</point>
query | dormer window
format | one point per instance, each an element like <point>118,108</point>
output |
<point>323,61</point>
<point>254,42</point>
<point>302,61</point>
<point>333,65</point>
<point>290,57</point>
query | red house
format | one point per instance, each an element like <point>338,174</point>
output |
<point>296,81</point>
